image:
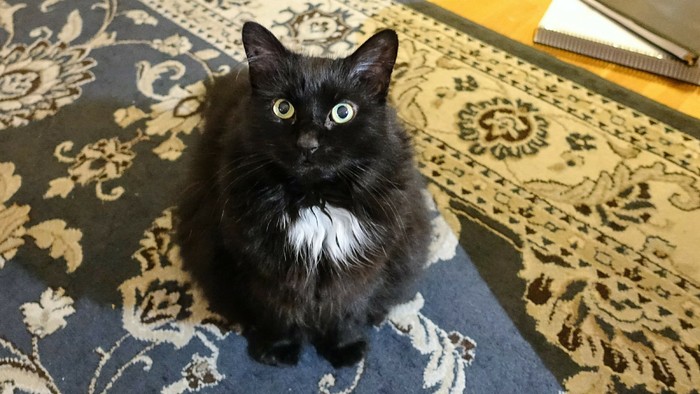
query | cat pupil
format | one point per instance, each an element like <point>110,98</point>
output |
<point>283,107</point>
<point>342,112</point>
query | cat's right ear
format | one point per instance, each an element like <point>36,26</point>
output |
<point>374,61</point>
<point>263,49</point>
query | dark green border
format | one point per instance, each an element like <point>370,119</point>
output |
<point>543,60</point>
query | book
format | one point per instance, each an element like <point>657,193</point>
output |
<point>575,26</point>
<point>671,25</point>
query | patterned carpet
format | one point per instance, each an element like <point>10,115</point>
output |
<point>564,230</point>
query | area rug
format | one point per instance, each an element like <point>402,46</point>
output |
<point>564,229</point>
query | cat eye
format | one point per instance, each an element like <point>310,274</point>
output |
<point>283,109</point>
<point>342,113</point>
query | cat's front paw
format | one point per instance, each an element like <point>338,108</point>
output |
<point>278,353</point>
<point>346,355</point>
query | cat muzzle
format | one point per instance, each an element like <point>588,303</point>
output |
<point>307,144</point>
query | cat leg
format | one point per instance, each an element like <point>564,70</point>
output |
<point>400,287</point>
<point>275,346</point>
<point>345,343</point>
<point>377,316</point>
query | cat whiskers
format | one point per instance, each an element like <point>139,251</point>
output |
<point>252,160</point>
<point>241,66</point>
<point>229,167</point>
<point>386,198</point>
<point>258,161</point>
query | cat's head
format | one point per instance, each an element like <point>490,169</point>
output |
<point>317,117</point>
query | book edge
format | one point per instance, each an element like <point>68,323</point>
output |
<point>608,52</point>
<point>647,32</point>
<point>693,50</point>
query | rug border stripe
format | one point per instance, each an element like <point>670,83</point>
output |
<point>661,112</point>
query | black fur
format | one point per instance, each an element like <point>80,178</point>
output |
<point>249,171</point>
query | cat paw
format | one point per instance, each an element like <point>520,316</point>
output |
<point>345,356</point>
<point>276,354</point>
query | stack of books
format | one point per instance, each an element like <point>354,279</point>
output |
<point>658,36</point>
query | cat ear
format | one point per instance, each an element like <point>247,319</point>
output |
<point>374,60</point>
<point>263,49</point>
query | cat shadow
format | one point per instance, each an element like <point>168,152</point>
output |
<point>119,186</point>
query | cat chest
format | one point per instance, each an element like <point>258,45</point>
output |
<point>331,232</point>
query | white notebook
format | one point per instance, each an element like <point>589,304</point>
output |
<point>574,26</point>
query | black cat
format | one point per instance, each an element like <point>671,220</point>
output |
<point>304,218</point>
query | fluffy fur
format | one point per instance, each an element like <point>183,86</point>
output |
<point>304,228</point>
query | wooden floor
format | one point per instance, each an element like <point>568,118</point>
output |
<point>517,19</point>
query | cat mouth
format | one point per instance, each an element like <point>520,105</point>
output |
<point>313,170</point>
<point>307,167</point>
<point>305,163</point>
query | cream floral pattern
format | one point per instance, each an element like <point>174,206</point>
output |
<point>49,314</point>
<point>200,373</point>
<point>99,162</point>
<point>161,305</point>
<point>61,241</point>
<point>26,372</point>
<point>408,76</point>
<point>503,128</point>
<point>450,353</point>
<point>141,17</point>
<point>316,30</point>
<point>177,112</point>
<point>599,201</point>
<point>623,198</point>
<point>37,80</point>
<point>173,45</point>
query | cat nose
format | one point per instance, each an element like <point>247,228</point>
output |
<point>308,143</point>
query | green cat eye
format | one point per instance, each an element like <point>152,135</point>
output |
<point>283,109</point>
<point>342,113</point>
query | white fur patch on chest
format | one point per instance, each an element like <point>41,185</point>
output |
<point>332,232</point>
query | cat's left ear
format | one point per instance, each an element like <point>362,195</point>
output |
<point>374,60</point>
<point>263,49</point>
